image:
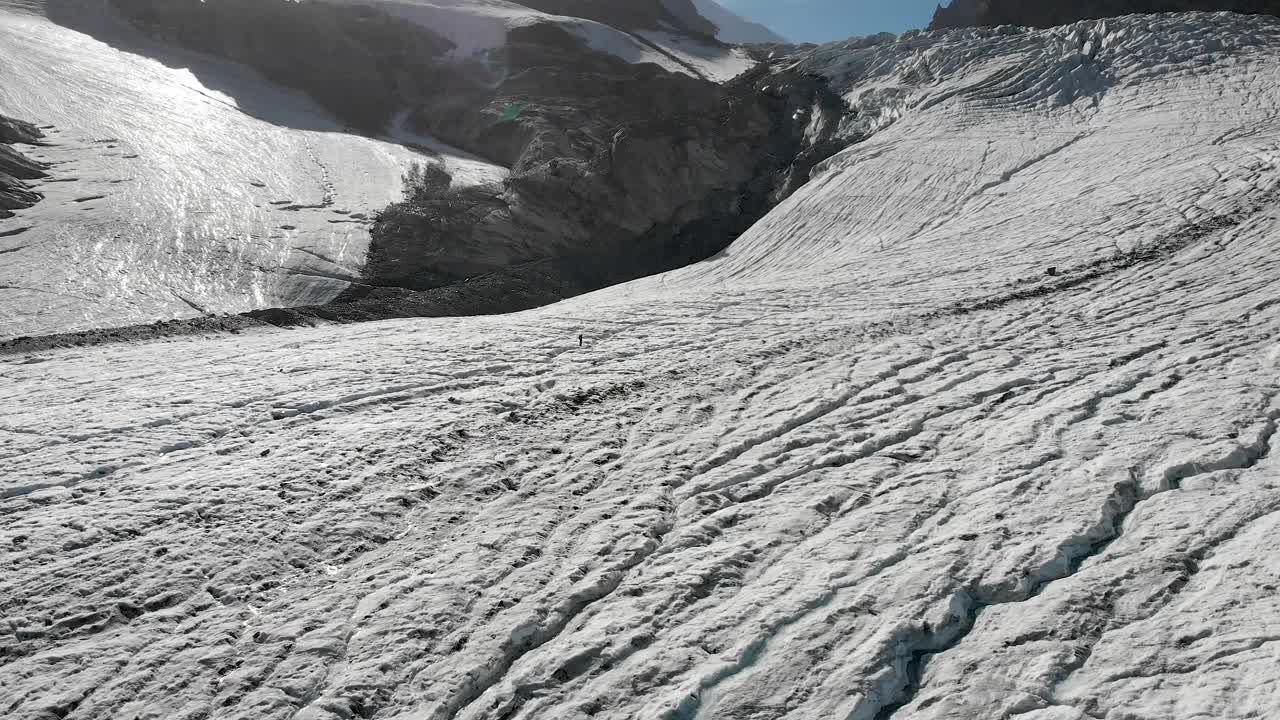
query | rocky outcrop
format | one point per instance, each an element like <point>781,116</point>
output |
<point>657,173</point>
<point>986,13</point>
<point>17,131</point>
<point>598,158</point>
<point>15,168</point>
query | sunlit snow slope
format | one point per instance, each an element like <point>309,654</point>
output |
<point>977,425</point>
<point>178,187</point>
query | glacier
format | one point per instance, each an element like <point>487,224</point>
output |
<point>976,424</point>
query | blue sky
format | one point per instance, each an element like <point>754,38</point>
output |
<point>826,20</point>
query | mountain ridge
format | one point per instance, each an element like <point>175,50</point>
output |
<point>987,13</point>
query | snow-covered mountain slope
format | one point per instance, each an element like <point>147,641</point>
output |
<point>977,425</point>
<point>732,28</point>
<point>712,62</point>
<point>988,143</point>
<point>178,186</point>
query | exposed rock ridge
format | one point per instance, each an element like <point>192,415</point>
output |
<point>635,192</point>
<point>15,167</point>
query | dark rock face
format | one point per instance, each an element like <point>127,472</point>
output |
<point>360,63</point>
<point>660,192</point>
<point>985,13</point>
<point>15,167</point>
<point>17,131</point>
<point>628,176</point>
<point>599,156</point>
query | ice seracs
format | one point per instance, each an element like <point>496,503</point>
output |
<point>872,462</point>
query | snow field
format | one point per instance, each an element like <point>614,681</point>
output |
<point>875,461</point>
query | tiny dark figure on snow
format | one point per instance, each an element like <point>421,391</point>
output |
<point>579,339</point>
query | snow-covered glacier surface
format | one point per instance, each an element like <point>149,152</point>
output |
<point>977,425</point>
<point>179,184</point>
